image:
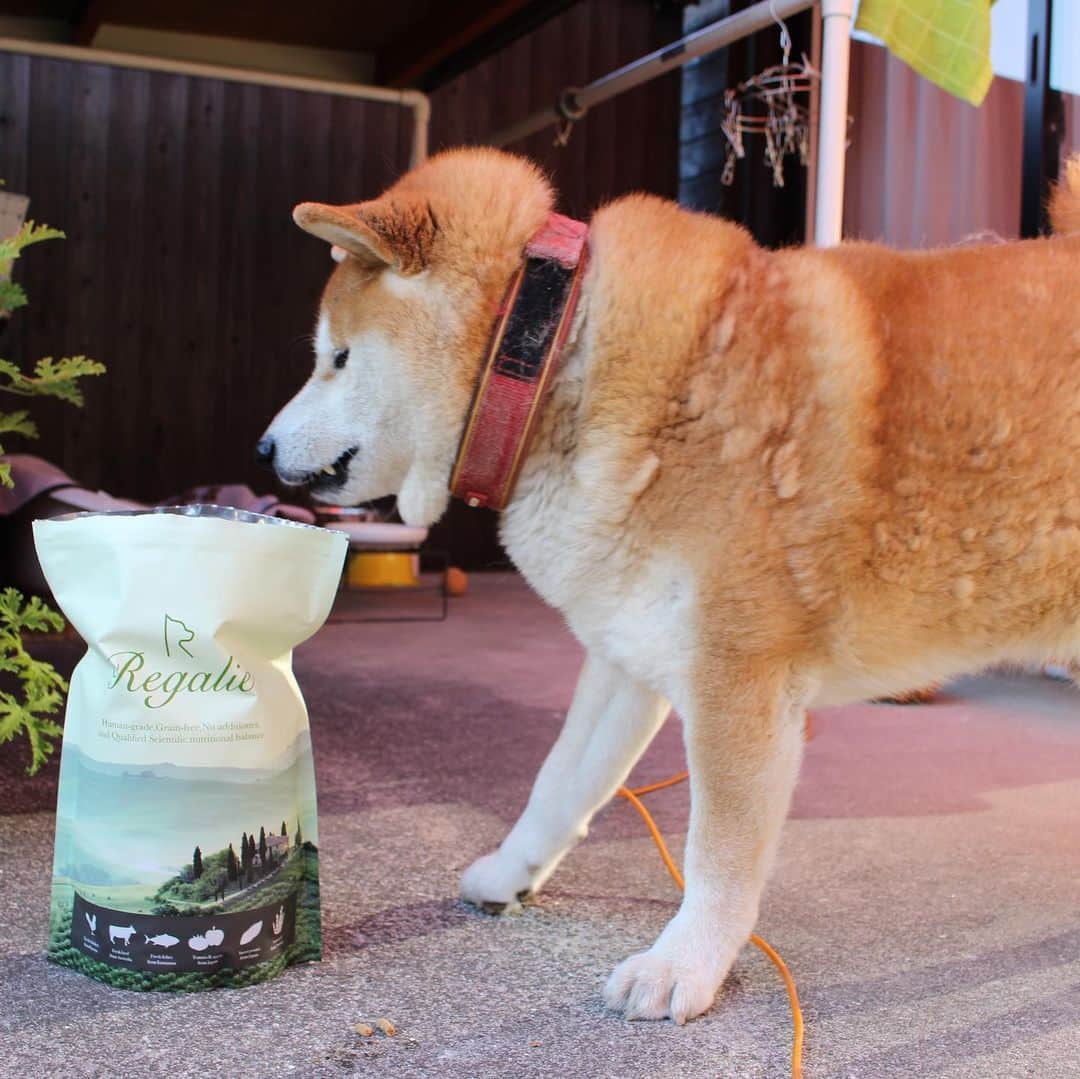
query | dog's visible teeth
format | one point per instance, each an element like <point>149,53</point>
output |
<point>329,470</point>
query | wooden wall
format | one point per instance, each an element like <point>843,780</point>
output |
<point>627,144</point>
<point>182,270</point>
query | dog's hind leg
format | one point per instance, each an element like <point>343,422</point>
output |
<point>744,737</point>
<point>611,721</point>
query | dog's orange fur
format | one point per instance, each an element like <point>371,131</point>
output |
<point>762,478</point>
<point>1064,200</point>
<point>884,445</point>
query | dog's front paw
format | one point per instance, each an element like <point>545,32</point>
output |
<point>678,977</point>
<point>653,986</point>
<point>496,883</point>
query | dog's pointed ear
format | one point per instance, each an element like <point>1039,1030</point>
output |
<point>382,233</point>
<point>344,228</point>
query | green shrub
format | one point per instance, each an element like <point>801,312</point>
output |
<point>35,693</point>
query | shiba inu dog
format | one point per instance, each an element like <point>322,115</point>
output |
<point>760,480</point>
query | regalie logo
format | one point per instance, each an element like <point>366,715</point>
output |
<point>160,687</point>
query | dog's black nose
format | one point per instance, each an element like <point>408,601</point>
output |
<point>264,451</point>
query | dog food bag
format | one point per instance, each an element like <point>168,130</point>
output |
<point>187,851</point>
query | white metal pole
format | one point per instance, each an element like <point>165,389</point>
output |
<point>833,121</point>
<point>421,126</point>
<point>815,112</point>
<point>410,99</point>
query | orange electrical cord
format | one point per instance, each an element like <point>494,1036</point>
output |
<point>632,796</point>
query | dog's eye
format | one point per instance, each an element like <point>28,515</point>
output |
<point>341,357</point>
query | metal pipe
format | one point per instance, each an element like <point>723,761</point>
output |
<point>411,99</point>
<point>832,118</point>
<point>574,103</point>
<point>815,117</point>
<point>833,121</point>
<point>421,107</point>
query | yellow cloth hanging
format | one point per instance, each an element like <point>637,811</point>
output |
<point>945,41</point>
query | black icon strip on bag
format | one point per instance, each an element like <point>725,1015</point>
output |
<point>209,942</point>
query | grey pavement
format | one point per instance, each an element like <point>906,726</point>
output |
<point>927,896</point>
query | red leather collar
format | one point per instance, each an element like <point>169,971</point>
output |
<point>526,344</point>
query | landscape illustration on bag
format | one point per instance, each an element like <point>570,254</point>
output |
<point>225,873</point>
<point>194,864</point>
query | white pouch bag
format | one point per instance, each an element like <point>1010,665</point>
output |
<point>186,849</point>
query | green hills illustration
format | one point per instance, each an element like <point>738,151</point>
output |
<point>102,834</point>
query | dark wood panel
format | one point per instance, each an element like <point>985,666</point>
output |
<point>599,128</point>
<point>455,37</point>
<point>14,118</point>
<point>627,144</point>
<point>128,235</point>
<point>574,44</point>
<point>182,270</point>
<point>239,331</point>
<point>166,419</point>
<point>43,271</point>
<point>84,223</point>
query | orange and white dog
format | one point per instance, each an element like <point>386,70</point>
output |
<point>760,480</point>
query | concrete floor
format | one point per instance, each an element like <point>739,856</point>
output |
<point>927,897</point>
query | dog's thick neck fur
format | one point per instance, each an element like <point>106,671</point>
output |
<point>594,454</point>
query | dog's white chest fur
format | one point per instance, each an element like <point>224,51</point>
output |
<point>634,607</point>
